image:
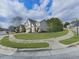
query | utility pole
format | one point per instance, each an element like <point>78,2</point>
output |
<point>77,26</point>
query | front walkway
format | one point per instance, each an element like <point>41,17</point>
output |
<point>7,50</point>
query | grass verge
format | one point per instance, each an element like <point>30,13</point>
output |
<point>36,36</point>
<point>70,41</point>
<point>5,42</point>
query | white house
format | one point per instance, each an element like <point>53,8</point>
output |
<point>73,27</point>
<point>30,26</point>
<point>34,26</point>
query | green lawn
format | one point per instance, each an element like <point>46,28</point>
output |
<point>70,41</point>
<point>5,42</point>
<point>41,35</point>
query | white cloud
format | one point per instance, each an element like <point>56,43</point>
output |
<point>38,12</point>
<point>66,9</point>
<point>44,3</point>
<point>13,7</point>
<point>10,8</point>
<point>7,7</point>
<point>3,8</point>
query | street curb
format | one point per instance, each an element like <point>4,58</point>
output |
<point>33,49</point>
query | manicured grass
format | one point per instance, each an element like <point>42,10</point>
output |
<point>5,42</point>
<point>70,41</point>
<point>34,36</point>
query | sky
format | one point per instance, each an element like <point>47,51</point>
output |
<point>38,10</point>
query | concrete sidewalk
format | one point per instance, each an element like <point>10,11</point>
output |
<point>7,50</point>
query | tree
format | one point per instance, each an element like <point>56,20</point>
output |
<point>12,28</point>
<point>66,24</point>
<point>54,24</point>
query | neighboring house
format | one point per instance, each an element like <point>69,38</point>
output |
<point>70,26</point>
<point>74,26</point>
<point>43,26</point>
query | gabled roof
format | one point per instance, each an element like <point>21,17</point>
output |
<point>32,21</point>
<point>43,21</point>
